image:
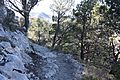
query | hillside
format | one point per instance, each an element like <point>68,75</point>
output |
<point>21,59</point>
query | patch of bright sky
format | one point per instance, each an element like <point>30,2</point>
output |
<point>44,6</point>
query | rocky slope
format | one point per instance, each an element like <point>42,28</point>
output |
<point>21,59</point>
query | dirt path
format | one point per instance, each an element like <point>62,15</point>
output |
<point>58,66</point>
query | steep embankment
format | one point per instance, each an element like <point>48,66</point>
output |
<point>23,60</point>
<point>13,47</point>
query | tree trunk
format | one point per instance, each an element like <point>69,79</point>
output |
<point>82,40</point>
<point>56,30</point>
<point>39,36</point>
<point>82,46</point>
<point>26,16</point>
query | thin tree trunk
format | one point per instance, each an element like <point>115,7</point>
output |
<point>56,30</point>
<point>82,46</point>
<point>39,36</point>
<point>82,41</point>
<point>26,16</point>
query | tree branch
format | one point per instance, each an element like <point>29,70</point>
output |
<point>17,9</point>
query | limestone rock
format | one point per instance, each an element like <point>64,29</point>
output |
<point>3,13</point>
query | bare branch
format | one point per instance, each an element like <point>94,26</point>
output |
<point>16,8</point>
<point>62,5</point>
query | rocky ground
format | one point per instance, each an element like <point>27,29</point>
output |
<point>23,60</point>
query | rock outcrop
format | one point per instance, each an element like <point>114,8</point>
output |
<point>21,59</point>
<point>3,11</point>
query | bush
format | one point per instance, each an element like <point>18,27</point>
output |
<point>115,70</point>
<point>89,78</point>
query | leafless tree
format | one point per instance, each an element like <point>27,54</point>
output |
<point>60,7</point>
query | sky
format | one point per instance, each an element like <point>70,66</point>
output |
<point>44,6</point>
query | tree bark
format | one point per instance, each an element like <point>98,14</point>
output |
<point>82,40</point>
<point>26,16</point>
<point>56,30</point>
<point>82,46</point>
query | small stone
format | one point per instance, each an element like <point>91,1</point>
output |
<point>1,58</point>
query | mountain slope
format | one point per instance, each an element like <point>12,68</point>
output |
<point>41,15</point>
<point>21,59</point>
